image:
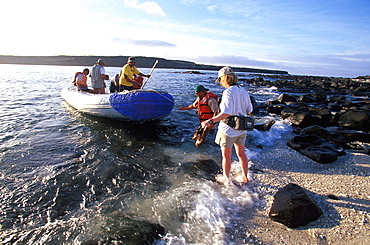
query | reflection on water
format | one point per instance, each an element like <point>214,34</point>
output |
<point>77,179</point>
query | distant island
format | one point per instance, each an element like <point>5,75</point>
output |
<point>119,61</point>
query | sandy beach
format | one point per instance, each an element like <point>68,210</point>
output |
<point>344,221</point>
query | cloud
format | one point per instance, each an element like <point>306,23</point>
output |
<point>187,1</point>
<point>147,43</point>
<point>150,7</point>
<point>211,8</point>
<point>232,60</point>
<point>341,65</point>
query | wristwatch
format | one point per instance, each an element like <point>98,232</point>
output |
<point>210,120</point>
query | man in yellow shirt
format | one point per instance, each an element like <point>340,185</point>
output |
<point>126,81</point>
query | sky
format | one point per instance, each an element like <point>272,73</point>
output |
<point>311,37</point>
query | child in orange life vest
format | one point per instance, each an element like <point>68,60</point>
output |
<point>207,106</point>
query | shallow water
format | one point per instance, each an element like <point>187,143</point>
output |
<point>77,179</point>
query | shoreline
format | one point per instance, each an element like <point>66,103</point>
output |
<point>119,61</point>
<point>344,221</point>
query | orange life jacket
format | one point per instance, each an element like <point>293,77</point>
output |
<point>139,80</point>
<point>74,80</point>
<point>83,82</point>
<point>204,111</point>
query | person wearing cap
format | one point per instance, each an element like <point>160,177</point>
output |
<point>127,81</point>
<point>235,101</point>
<point>98,76</point>
<point>207,106</point>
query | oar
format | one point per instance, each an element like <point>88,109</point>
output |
<point>150,73</point>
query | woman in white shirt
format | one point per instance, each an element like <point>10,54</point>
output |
<point>235,101</point>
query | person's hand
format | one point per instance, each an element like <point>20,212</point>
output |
<point>205,124</point>
<point>182,108</point>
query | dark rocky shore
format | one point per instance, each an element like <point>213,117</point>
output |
<point>304,201</point>
<point>313,183</point>
<point>329,114</point>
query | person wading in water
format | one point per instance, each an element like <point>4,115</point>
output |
<point>207,106</point>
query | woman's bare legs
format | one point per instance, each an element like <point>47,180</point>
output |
<point>243,159</point>
<point>226,164</point>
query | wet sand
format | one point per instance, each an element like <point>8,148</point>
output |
<point>344,221</point>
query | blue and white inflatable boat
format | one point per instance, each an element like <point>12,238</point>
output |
<point>135,105</point>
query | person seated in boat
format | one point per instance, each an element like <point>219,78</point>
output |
<point>127,81</point>
<point>81,80</point>
<point>207,106</point>
<point>98,76</point>
<point>114,83</point>
<point>74,82</point>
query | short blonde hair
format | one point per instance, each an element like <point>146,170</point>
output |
<point>229,79</point>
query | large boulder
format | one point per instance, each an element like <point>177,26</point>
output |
<point>355,119</point>
<point>337,135</point>
<point>275,109</point>
<point>303,119</point>
<point>304,116</point>
<point>283,98</point>
<point>348,134</point>
<point>307,98</point>
<point>315,130</point>
<point>316,148</point>
<point>294,207</point>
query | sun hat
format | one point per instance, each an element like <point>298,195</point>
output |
<point>225,71</point>
<point>131,59</point>
<point>200,88</point>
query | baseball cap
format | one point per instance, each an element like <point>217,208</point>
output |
<point>225,71</point>
<point>131,59</point>
<point>200,88</point>
<point>100,61</point>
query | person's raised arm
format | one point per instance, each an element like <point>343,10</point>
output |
<point>189,107</point>
<point>141,74</point>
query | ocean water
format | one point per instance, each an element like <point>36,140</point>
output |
<point>70,178</point>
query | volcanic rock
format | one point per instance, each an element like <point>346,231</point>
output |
<point>294,207</point>
<point>316,148</point>
<point>355,119</point>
